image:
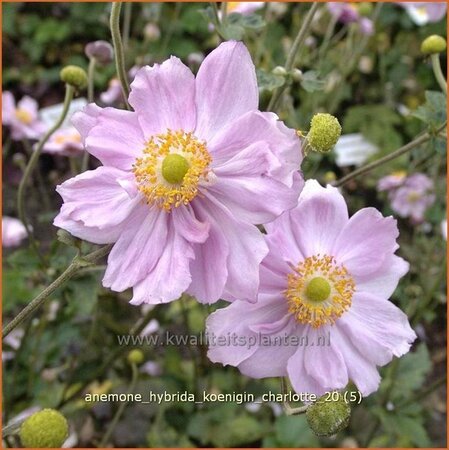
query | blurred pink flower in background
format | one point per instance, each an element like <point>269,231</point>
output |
<point>409,196</point>
<point>327,278</point>
<point>186,176</point>
<point>348,13</point>
<point>22,119</point>
<point>444,229</point>
<point>13,232</point>
<point>65,142</point>
<point>114,92</point>
<point>423,13</point>
<point>244,8</point>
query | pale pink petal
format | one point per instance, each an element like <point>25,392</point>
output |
<point>245,186</point>
<point>362,372</point>
<point>226,88</point>
<point>86,119</point>
<point>318,220</point>
<point>8,107</point>
<point>163,97</point>
<point>365,242</point>
<point>254,127</point>
<point>170,277</point>
<point>89,199</point>
<point>28,104</point>
<point>383,282</point>
<point>366,323</point>
<point>188,226</point>
<point>138,248</point>
<point>247,249</point>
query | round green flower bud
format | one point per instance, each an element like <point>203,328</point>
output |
<point>174,168</point>
<point>327,417</point>
<point>297,75</point>
<point>136,357</point>
<point>324,132</point>
<point>433,44</point>
<point>279,70</point>
<point>75,76</point>
<point>45,429</point>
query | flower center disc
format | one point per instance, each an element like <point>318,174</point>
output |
<point>171,168</point>
<point>24,116</point>
<point>319,291</point>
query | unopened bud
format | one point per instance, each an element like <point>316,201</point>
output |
<point>45,429</point>
<point>327,416</point>
<point>433,44</point>
<point>152,32</point>
<point>279,70</point>
<point>74,76</point>
<point>102,51</point>
<point>296,75</point>
<point>136,357</point>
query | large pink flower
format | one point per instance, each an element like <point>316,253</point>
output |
<point>184,178</point>
<point>323,316</point>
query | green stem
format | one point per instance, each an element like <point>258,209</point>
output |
<point>77,263</point>
<point>287,408</point>
<point>90,79</point>
<point>299,40</point>
<point>69,91</point>
<point>118,50</point>
<point>375,164</point>
<point>436,66</point>
<point>127,24</point>
<point>121,408</point>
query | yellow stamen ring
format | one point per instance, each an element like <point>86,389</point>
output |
<point>319,291</point>
<point>171,168</point>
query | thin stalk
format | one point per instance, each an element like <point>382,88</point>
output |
<point>77,263</point>
<point>375,164</point>
<point>436,66</point>
<point>118,50</point>
<point>90,99</point>
<point>127,24</point>
<point>287,408</point>
<point>299,40</point>
<point>69,91</point>
<point>121,408</point>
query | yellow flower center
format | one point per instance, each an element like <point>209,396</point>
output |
<point>413,197</point>
<point>171,168</point>
<point>232,6</point>
<point>24,116</point>
<point>74,138</point>
<point>319,291</point>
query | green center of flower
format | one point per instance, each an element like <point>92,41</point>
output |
<point>413,197</point>
<point>318,289</point>
<point>174,168</point>
<point>24,116</point>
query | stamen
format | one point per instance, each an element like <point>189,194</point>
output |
<point>319,291</point>
<point>24,116</point>
<point>171,168</point>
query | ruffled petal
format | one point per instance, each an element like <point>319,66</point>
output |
<point>378,328</point>
<point>89,199</point>
<point>226,88</point>
<point>170,277</point>
<point>383,282</point>
<point>8,107</point>
<point>112,135</point>
<point>188,226</point>
<point>138,249</point>
<point>246,187</point>
<point>163,97</point>
<point>256,127</point>
<point>231,339</point>
<point>246,244</point>
<point>366,241</point>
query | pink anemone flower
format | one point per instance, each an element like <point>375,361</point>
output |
<point>23,118</point>
<point>65,142</point>
<point>323,316</point>
<point>185,177</point>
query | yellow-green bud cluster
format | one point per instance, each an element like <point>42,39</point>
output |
<point>74,76</point>
<point>45,429</point>
<point>324,132</point>
<point>136,356</point>
<point>433,44</point>
<point>327,416</point>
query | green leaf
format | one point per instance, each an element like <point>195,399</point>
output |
<point>311,82</point>
<point>292,432</point>
<point>269,81</point>
<point>433,112</point>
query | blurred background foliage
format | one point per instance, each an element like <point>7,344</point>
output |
<point>375,85</point>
